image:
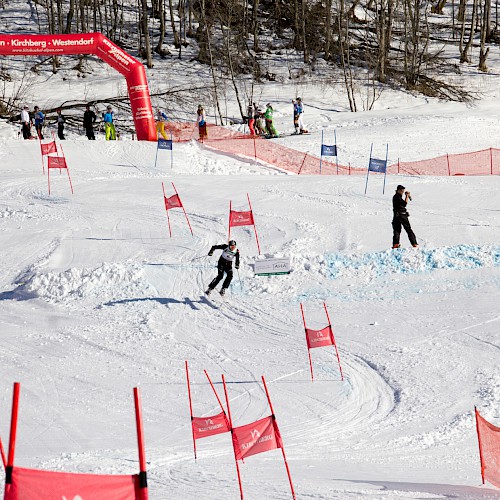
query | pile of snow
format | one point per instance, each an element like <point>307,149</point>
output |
<point>106,282</point>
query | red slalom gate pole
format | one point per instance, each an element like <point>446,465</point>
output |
<point>333,341</point>
<point>184,210</point>
<point>2,451</point>
<point>190,408</point>
<point>480,445</point>
<point>215,392</point>
<point>254,227</point>
<point>281,443</point>
<point>308,350</point>
<point>143,482</point>
<point>67,171</point>
<point>230,208</point>
<point>13,433</point>
<point>166,209</point>
<point>231,425</point>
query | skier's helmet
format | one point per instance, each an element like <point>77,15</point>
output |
<point>232,243</point>
<point>299,98</point>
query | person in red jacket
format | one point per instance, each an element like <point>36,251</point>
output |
<point>225,265</point>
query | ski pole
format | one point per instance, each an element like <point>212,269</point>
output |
<point>196,258</point>
<point>241,285</point>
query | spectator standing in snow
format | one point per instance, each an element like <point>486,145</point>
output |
<point>202,123</point>
<point>271,131</point>
<point>109,126</point>
<point>89,118</point>
<point>60,120</point>
<point>401,217</point>
<point>225,265</point>
<point>251,118</point>
<point>161,120</point>
<point>259,119</point>
<point>298,121</point>
<point>26,122</point>
<point>39,119</point>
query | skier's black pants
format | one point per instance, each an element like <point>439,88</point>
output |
<point>397,222</point>
<point>60,131</point>
<point>223,266</point>
<point>89,131</point>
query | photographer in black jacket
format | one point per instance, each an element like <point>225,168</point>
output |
<point>401,217</point>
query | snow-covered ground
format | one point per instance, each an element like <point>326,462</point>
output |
<point>96,298</point>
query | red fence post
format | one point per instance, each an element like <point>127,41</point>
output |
<point>491,161</point>
<point>448,162</point>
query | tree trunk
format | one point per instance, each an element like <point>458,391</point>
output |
<point>485,31</point>
<point>328,30</point>
<point>145,32</point>
<point>212,69</point>
<point>172,23</point>
<point>464,48</point>
<point>161,15</point>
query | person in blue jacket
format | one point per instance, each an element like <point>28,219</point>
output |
<point>39,119</point>
<point>109,126</point>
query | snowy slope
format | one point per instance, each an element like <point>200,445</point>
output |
<point>96,299</point>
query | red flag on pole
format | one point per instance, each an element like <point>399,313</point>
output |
<point>206,426</point>
<point>174,201</point>
<point>257,437</point>
<point>242,219</point>
<point>40,485</point>
<point>50,147</point>
<point>210,426</point>
<point>320,338</point>
<point>489,450</point>
<point>34,484</point>
<point>60,163</point>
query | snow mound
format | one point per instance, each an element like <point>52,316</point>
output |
<point>106,282</point>
<point>411,261</point>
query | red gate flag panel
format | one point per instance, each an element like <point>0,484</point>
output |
<point>489,446</point>
<point>210,426</point>
<point>36,484</point>
<point>56,162</point>
<point>241,219</point>
<point>257,437</point>
<point>319,338</point>
<point>173,202</point>
<point>50,147</point>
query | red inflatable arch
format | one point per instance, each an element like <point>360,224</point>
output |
<point>98,44</point>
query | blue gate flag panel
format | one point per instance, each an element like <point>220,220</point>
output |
<point>377,165</point>
<point>165,144</point>
<point>328,150</point>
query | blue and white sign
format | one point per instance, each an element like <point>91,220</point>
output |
<point>270,266</point>
<point>328,150</point>
<point>165,144</point>
<point>377,165</point>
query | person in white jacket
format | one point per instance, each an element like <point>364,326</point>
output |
<point>26,122</point>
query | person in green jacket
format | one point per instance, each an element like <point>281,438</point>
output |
<point>271,131</point>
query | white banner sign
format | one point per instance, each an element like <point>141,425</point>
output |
<point>272,266</point>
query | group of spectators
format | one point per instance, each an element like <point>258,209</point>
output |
<point>36,120</point>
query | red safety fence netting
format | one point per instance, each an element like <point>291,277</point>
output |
<point>485,162</point>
